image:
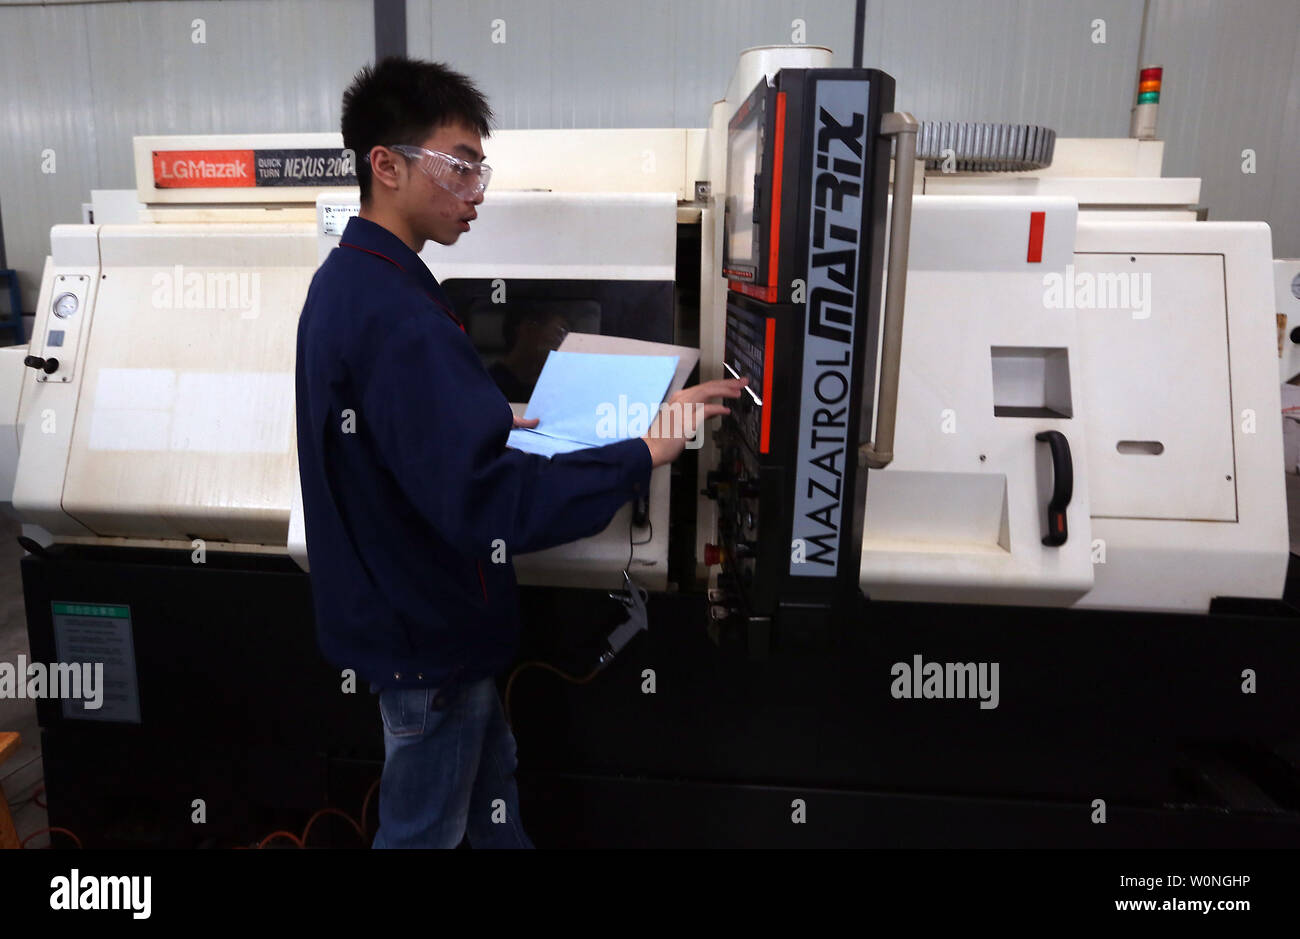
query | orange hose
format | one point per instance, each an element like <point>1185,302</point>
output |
<point>547,667</point>
<point>365,808</point>
<point>44,831</point>
<point>279,834</point>
<point>350,820</point>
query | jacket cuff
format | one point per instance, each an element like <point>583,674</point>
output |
<point>634,457</point>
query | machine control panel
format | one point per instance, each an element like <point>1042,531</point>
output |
<point>750,338</point>
<point>803,255</point>
<point>58,343</point>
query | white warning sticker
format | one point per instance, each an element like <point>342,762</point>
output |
<point>334,218</point>
<point>99,635</point>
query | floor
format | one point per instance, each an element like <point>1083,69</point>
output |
<point>21,775</point>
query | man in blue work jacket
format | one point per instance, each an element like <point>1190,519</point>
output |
<point>407,483</point>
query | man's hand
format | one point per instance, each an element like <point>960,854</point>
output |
<point>528,422</point>
<point>684,414</point>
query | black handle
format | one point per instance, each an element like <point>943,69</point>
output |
<point>1062,487</point>
<point>48,366</point>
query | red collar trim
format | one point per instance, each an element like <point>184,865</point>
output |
<point>347,244</point>
<point>454,318</point>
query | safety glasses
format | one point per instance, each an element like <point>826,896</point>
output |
<point>463,179</point>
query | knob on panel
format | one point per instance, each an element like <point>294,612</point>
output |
<point>48,366</point>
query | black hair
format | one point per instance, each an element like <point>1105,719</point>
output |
<point>403,100</point>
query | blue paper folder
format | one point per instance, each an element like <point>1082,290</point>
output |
<point>589,399</point>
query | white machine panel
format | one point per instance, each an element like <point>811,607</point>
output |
<point>1169,192</point>
<point>960,514</point>
<point>49,408</point>
<point>1164,335</point>
<point>1156,558</point>
<point>545,235</point>
<point>185,420</point>
<point>1155,366</point>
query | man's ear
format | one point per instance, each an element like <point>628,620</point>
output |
<point>384,169</point>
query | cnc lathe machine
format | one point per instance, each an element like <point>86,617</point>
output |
<point>1013,412</point>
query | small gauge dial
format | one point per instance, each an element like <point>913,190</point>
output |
<point>65,304</point>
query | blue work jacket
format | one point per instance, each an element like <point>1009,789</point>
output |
<point>413,505</point>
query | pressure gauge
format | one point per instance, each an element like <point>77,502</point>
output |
<point>65,304</point>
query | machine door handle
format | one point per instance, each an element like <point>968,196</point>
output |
<point>879,453</point>
<point>1062,486</point>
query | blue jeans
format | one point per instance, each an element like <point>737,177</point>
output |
<point>449,765</point>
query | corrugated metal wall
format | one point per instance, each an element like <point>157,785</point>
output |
<point>1232,83</point>
<point>657,63</point>
<point>82,79</point>
<point>1031,61</point>
<point>596,63</point>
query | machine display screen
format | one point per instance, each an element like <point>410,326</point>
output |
<point>744,219</point>
<point>742,167</point>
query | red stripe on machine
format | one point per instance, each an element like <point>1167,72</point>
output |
<point>769,344</point>
<point>1036,221</point>
<point>778,164</point>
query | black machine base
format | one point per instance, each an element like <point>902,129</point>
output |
<point>688,741</point>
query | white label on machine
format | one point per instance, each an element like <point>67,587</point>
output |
<point>99,634</point>
<point>233,412</point>
<point>334,218</point>
<point>205,412</point>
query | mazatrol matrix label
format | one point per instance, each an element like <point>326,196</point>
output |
<point>837,180</point>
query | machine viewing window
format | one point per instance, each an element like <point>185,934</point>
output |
<point>515,324</point>
<point>749,181</point>
<point>742,167</point>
